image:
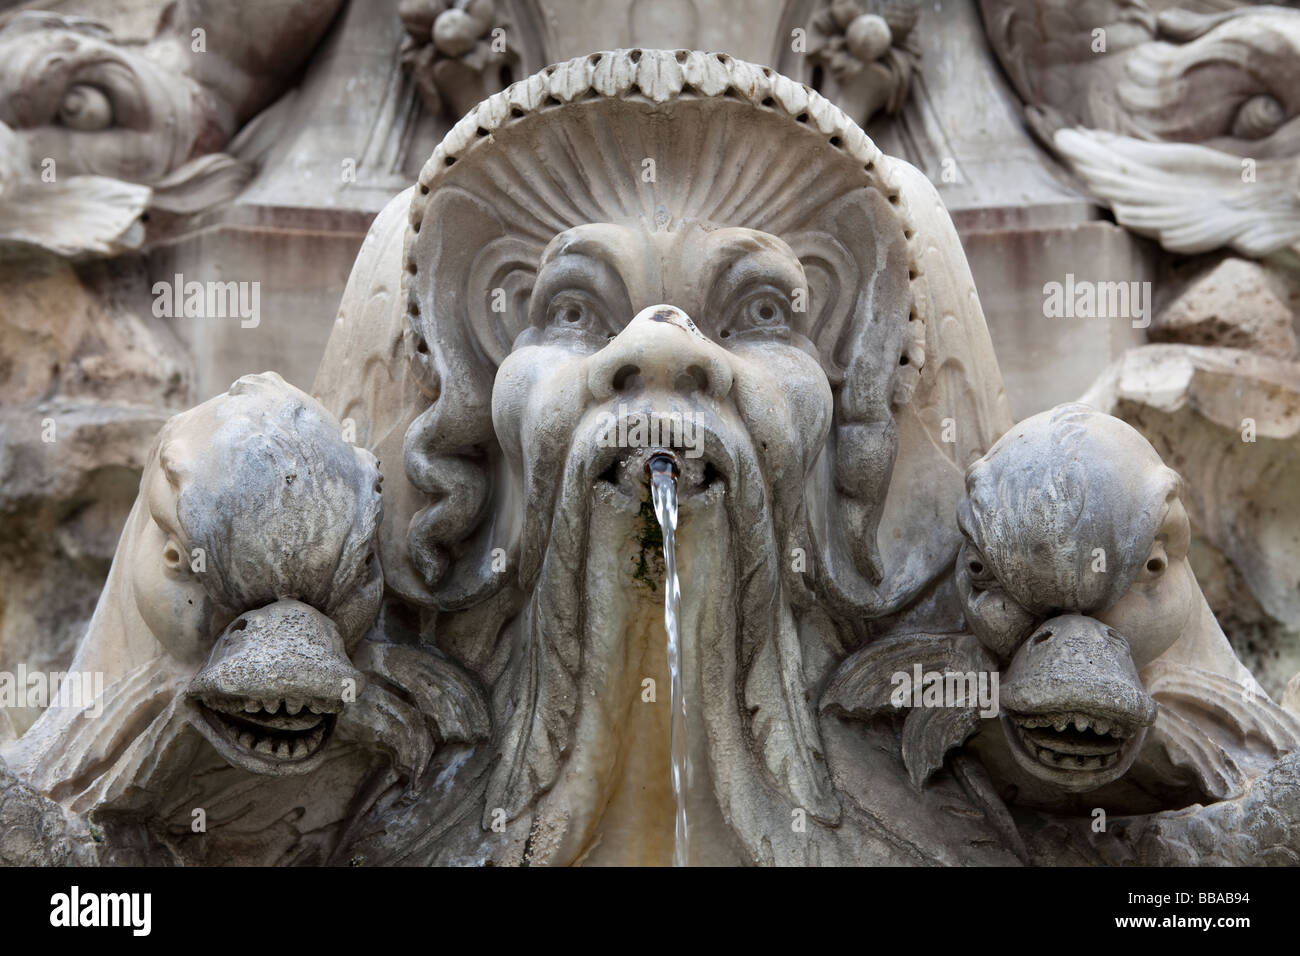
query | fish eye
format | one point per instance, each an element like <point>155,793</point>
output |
<point>1258,117</point>
<point>85,107</point>
<point>574,310</point>
<point>174,556</point>
<point>976,568</point>
<point>1156,563</point>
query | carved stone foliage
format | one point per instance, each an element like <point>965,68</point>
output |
<point>860,54</point>
<point>1183,122</point>
<point>462,51</point>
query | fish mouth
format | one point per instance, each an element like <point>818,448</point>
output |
<point>288,735</point>
<point>1072,749</point>
<point>270,695</point>
<point>1074,711</point>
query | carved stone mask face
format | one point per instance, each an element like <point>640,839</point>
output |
<point>716,344</point>
<point>1074,573</point>
<point>768,321</point>
<point>640,340</point>
<point>98,107</point>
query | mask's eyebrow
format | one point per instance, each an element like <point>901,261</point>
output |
<point>578,244</point>
<point>741,258</point>
<point>594,274</point>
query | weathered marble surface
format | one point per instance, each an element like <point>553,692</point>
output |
<point>238,682</point>
<point>87,377</point>
<point>687,243</point>
<point>1182,120</point>
<point>1227,420</point>
<point>583,246</point>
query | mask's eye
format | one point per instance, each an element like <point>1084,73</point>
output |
<point>763,313</point>
<point>574,310</point>
<point>85,107</point>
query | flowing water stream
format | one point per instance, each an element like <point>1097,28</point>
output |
<point>663,493</point>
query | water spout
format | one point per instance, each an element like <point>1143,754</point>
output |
<point>662,468</point>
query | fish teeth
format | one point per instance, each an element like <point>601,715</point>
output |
<point>283,749</point>
<point>1081,721</point>
<point>246,740</point>
<point>264,746</point>
<point>292,706</point>
<point>252,706</point>
<point>1060,722</point>
<point>1101,726</point>
<point>271,706</point>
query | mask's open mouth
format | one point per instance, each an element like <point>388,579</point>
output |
<point>626,470</point>
<point>703,462</point>
<point>286,731</point>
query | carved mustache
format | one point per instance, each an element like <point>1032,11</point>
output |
<point>571,470</point>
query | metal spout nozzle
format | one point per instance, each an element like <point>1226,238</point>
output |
<point>662,462</point>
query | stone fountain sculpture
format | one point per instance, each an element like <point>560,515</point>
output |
<point>229,638</point>
<point>1181,118</point>
<point>631,254</point>
<point>814,321</point>
<point>1117,687</point>
<point>110,138</point>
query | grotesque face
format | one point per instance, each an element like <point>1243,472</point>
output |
<point>694,333</point>
<point>1074,573</point>
<point>763,323</point>
<point>689,341</point>
<point>253,568</point>
<point>99,107</point>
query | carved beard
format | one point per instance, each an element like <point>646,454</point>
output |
<point>571,682</point>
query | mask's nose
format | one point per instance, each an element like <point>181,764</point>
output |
<point>660,349</point>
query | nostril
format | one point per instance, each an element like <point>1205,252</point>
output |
<point>239,625</point>
<point>693,379</point>
<point>626,377</point>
